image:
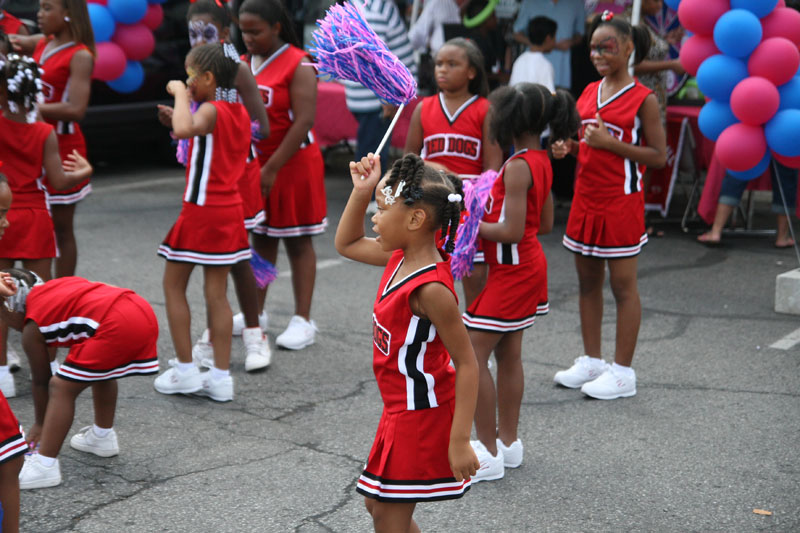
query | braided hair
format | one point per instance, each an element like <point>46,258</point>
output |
<point>23,80</point>
<point>221,60</point>
<point>441,191</point>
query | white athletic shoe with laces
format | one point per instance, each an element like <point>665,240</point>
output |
<point>12,358</point>
<point>257,347</point>
<point>298,334</point>
<point>239,325</point>
<point>34,475</point>
<point>87,441</point>
<point>203,352</point>
<point>512,455</point>
<point>173,381</point>
<point>583,370</point>
<point>219,390</point>
<point>612,384</point>
<point>491,465</point>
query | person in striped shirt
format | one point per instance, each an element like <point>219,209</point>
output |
<point>373,116</point>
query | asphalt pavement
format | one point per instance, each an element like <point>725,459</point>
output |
<point>712,435</point>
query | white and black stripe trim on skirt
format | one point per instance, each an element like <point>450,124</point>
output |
<point>293,231</point>
<point>141,367</point>
<point>203,258</point>
<point>604,252</point>
<point>387,490</point>
<point>251,223</point>
<point>500,325</point>
<point>12,447</point>
<point>69,198</point>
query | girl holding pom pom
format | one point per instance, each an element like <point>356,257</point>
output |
<point>451,128</point>
<point>519,208</point>
<point>606,221</point>
<point>421,452</point>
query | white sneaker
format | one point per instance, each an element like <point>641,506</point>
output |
<point>491,465</point>
<point>298,334</point>
<point>203,352</point>
<point>7,386</point>
<point>173,381</point>
<point>219,390</point>
<point>257,347</point>
<point>34,475</point>
<point>87,441</point>
<point>512,455</point>
<point>239,325</point>
<point>12,359</point>
<point>611,385</point>
<point>583,370</point>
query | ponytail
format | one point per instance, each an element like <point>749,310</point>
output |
<point>565,120</point>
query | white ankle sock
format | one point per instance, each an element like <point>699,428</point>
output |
<point>625,371</point>
<point>595,362</point>
<point>47,462</point>
<point>184,367</point>
<point>217,374</point>
<point>3,370</point>
<point>100,432</point>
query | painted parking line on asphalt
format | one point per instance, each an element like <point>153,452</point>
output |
<point>788,342</point>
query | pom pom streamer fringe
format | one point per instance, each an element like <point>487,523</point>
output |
<point>264,271</point>
<point>476,192</point>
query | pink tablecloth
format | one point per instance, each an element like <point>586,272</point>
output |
<point>334,123</point>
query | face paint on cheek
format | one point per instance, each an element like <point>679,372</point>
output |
<point>608,46</point>
<point>192,73</point>
<point>202,33</point>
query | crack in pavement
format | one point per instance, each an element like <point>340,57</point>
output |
<point>308,406</point>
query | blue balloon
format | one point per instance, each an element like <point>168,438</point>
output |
<point>130,80</point>
<point>719,74</point>
<point>103,24</point>
<point>127,11</point>
<point>756,171</point>
<point>673,4</point>
<point>760,8</point>
<point>156,1</point>
<point>737,33</point>
<point>783,132</point>
<point>714,118</point>
<point>790,94</point>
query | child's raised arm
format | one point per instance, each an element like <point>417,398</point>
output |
<point>350,239</point>
<point>186,124</point>
<point>63,175</point>
<point>435,302</point>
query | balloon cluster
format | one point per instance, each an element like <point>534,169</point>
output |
<point>745,56</point>
<point>123,31</point>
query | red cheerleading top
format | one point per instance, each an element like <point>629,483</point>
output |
<point>55,80</point>
<point>70,310</point>
<point>410,362</point>
<point>602,173</point>
<point>528,249</point>
<point>9,23</point>
<point>217,160</point>
<point>22,153</point>
<point>454,140</point>
<point>274,77</point>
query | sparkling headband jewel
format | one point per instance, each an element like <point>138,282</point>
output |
<point>390,198</point>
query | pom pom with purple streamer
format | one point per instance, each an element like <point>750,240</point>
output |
<point>476,192</point>
<point>346,47</point>
<point>263,270</point>
<point>182,151</point>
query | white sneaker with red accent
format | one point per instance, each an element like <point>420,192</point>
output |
<point>612,384</point>
<point>583,370</point>
<point>256,345</point>
<point>491,465</point>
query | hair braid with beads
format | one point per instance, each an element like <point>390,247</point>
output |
<point>212,57</point>
<point>433,188</point>
<point>23,80</point>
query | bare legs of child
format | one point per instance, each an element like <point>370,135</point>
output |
<point>474,283</point>
<point>9,493</point>
<point>392,517</point>
<point>303,263</point>
<point>67,261</point>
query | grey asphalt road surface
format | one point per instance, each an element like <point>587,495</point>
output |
<point>712,435</point>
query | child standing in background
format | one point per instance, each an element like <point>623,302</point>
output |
<point>532,66</point>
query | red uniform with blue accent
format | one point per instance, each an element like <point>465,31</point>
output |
<point>606,219</point>
<point>30,233</point>
<point>454,141</point>
<point>516,288</point>
<point>297,204</point>
<point>111,331</point>
<point>210,228</point>
<point>9,24</point>
<point>55,63</point>
<point>408,461</point>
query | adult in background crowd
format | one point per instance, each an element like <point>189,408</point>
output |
<point>427,36</point>
<point>570,15</point>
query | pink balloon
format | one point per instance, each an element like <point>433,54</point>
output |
<point>755,100</point>
<point>791,162</point>
<point>776,59</point>
<point>782,22</point>
<point>110,62</point>
<point>153,17</point>
<point>781,3</point>
<point>741,147</point>
<point>699,16</point>
<point>695,50</point>
<point>136,40</point>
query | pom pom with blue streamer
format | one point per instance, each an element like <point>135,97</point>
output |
<point>263,270</point>
<point>476,192</point>
<point>347,48</point>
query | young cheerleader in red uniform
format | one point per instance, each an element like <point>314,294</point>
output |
<point>451,128</point>
<point>27,147</point>
<point>421,451</point>
<point>210,229</point>
<point>518,209</point>
<point>606,220</point>
<point>9,24</point>
<point>292,171</point>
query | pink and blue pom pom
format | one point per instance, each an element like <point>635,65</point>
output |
<point>263,270</point>
<point>347,48</point>
<point>476,192</point>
